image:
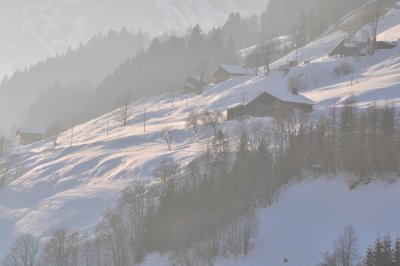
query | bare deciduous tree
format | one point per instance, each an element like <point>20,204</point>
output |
<point>192,121</point>
<point>123,114</point>
<point>166,170</point>
<point>346,246</point>
<point>61,249</point>
<point>111,232</point>
<point>3,143</point>
<point>238,235</point>
<point>211,119</point>
<point>24,252</point>
<point>166,136</point>
<point>372,17</point>
<point>53,132</point>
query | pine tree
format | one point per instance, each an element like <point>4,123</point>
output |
<point>369,258</point>
<point>230,55</point>
<point>396,253</point>
<point>332,137</point>
<point>387,251</point>
<point>379,252</point>
<point>387,148</point>
<point>373,116</point>
<point>348,117</point>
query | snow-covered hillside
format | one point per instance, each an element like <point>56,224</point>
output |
<point>308,217</point>
<point>32,30</point>
<point>71,186</point>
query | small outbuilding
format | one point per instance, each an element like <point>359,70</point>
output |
<point>225,72</point>
<point>382,45</point>
<point>357,48</point>
<point>27,136</point>
<point>195,83</point>
<point>349,48</point>
<point>271,103</point>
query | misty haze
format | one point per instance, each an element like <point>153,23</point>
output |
<point>200,132</point>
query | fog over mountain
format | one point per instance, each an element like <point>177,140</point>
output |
<point>35,29</point>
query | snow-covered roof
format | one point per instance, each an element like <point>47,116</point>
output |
<point>32,130</point>
<point>282,94</point>
<point>354,44</point>
<point>196,77</point>
<point>238,70</point>
<point>190,86</point>
<point>236,105</point>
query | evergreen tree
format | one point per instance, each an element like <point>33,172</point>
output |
<point>396,253</point>
<point>369,258</point>
<point>348,117</point>
<point>379,252</point>
<point>230,55</point>
<point>387,251</point>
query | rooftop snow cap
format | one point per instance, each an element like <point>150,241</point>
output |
<point>239,70</point>
<point>284,95</point>
<point>32,130</point>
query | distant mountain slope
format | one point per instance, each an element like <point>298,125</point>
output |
<point>71,186</point>
<point>90,62</point>
<point>31,30</point>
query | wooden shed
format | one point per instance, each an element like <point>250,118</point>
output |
<point>27,136</point>
<point>226,72</point>
<point>349,48</point>
<point>271,104</point>
<point>195,83</point>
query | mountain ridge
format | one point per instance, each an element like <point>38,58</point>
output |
<point>50,27</point>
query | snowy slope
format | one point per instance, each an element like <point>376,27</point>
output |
<point>308,217</point>
<point>71,186</point>
<point>31,30</point>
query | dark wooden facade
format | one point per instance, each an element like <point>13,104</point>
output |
<point>266,105</point>
<point>381,45</point>
<point>221,74</point>
<point>346,49</point>
<point>194,84</point>
<point>26,136</point>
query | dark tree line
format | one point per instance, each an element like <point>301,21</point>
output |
<point>361,141</point>
<point>304,20</point>
<point>384,252</point>
<point>205,209</point>
<point>162,67</point>
<point>28,96</point>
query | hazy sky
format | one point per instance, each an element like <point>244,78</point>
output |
<point>31,30</point>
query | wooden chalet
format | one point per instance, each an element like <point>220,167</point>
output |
<point>27,136</point>
<point>194,83</point>
<point>270,103</point>
<point>356,48</point>
<point>349,48</point>
<point>381,45</point>
<point>226,72</point>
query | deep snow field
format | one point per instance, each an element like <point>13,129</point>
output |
<point>71,186</point>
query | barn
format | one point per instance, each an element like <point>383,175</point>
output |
<point>349,48</point>
<point>271,103</point>
<point>226,72</point>
<point>27,136</point>
<point>194,83</point>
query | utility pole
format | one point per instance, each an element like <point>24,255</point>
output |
<point>352,76</point>
<point>144,119</point>
<point>107,125</point>
<point>297,46</point>
<point>72,134</point>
